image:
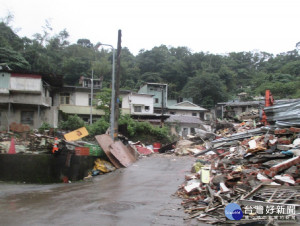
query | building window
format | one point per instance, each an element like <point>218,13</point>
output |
<point>86,83</point>
<point>185,132</point>
<point>202,115</point>
<point>194,114</point>
<point>244,109</point>
<point>147,108</point>
<point>94,100</point>
<point>193,131</point>
<point>97,84</point>
<point>137,108</point>
<point>64,98</point>
<point>27,117</point>
<point>156,100</point>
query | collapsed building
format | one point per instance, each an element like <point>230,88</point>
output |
<point>255,167</point>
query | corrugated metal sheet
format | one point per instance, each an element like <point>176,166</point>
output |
<point>284,114</point>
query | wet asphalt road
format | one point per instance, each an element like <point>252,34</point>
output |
<point>141,194</point>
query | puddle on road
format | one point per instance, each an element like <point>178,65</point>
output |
<point>115,207</point>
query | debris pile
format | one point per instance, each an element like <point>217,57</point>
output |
<point>252,114</point>
<point>242,168</point>
<point>27,143</point>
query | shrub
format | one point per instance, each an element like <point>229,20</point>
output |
<point>98,127</point>
<point>72,123</point>
<point>44,126</point>
<point>144,131</point>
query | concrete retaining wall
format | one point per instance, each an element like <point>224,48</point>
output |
<point>43,168</point>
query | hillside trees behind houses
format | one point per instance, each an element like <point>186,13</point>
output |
<point>206,77</point>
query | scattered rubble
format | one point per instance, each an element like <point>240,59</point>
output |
<point>242,165</point>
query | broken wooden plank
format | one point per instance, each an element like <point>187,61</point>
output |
<point>105,142</point>
<point>121,152</point>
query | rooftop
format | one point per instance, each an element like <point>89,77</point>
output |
<point>184,119</point>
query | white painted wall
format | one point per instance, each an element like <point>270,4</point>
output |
<point>81,99</point>
<point>26,84</point>
<point>143,101</point>
<point>131,100</point>
<point>184,129</point>
<point>125,101</point>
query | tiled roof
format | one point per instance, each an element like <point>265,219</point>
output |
<point>186,105</point>
<point>184,119</point>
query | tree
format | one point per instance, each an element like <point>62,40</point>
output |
<point>279,90</point>
<point>8,18</point>
<point>153,60</point>
<point>73,68</point>
<point>43,38</point>
<point>104,97</point>
<point>14,60</point>
<point>84,43</point>
<point>292,68</point>
<point>153,77</point>
<point>8,39</point>
<point>228,77</point>
<point>206,89</point>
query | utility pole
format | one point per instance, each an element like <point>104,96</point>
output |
<point>162,107</point>
<point>92,94</point>
<point>117,86</point>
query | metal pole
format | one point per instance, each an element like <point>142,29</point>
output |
<point>112,114</point>
<point>117,84</point>
<point>92,93</point>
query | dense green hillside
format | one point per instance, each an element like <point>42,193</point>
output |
<point>208,78</point>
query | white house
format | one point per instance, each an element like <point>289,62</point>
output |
<point>137,104</point>
<point>187,108</point>
<point>183,125</point>
<point>159,93</point>
<point>77,100</point>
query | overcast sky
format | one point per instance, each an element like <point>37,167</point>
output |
<point>215,26</point>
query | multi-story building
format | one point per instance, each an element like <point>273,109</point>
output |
<point>25,99</point>
<point>160,95</point>
<point>137,104</point>
<point>78,100</point>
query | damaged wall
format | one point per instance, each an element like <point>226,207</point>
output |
<point>30,115</point>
